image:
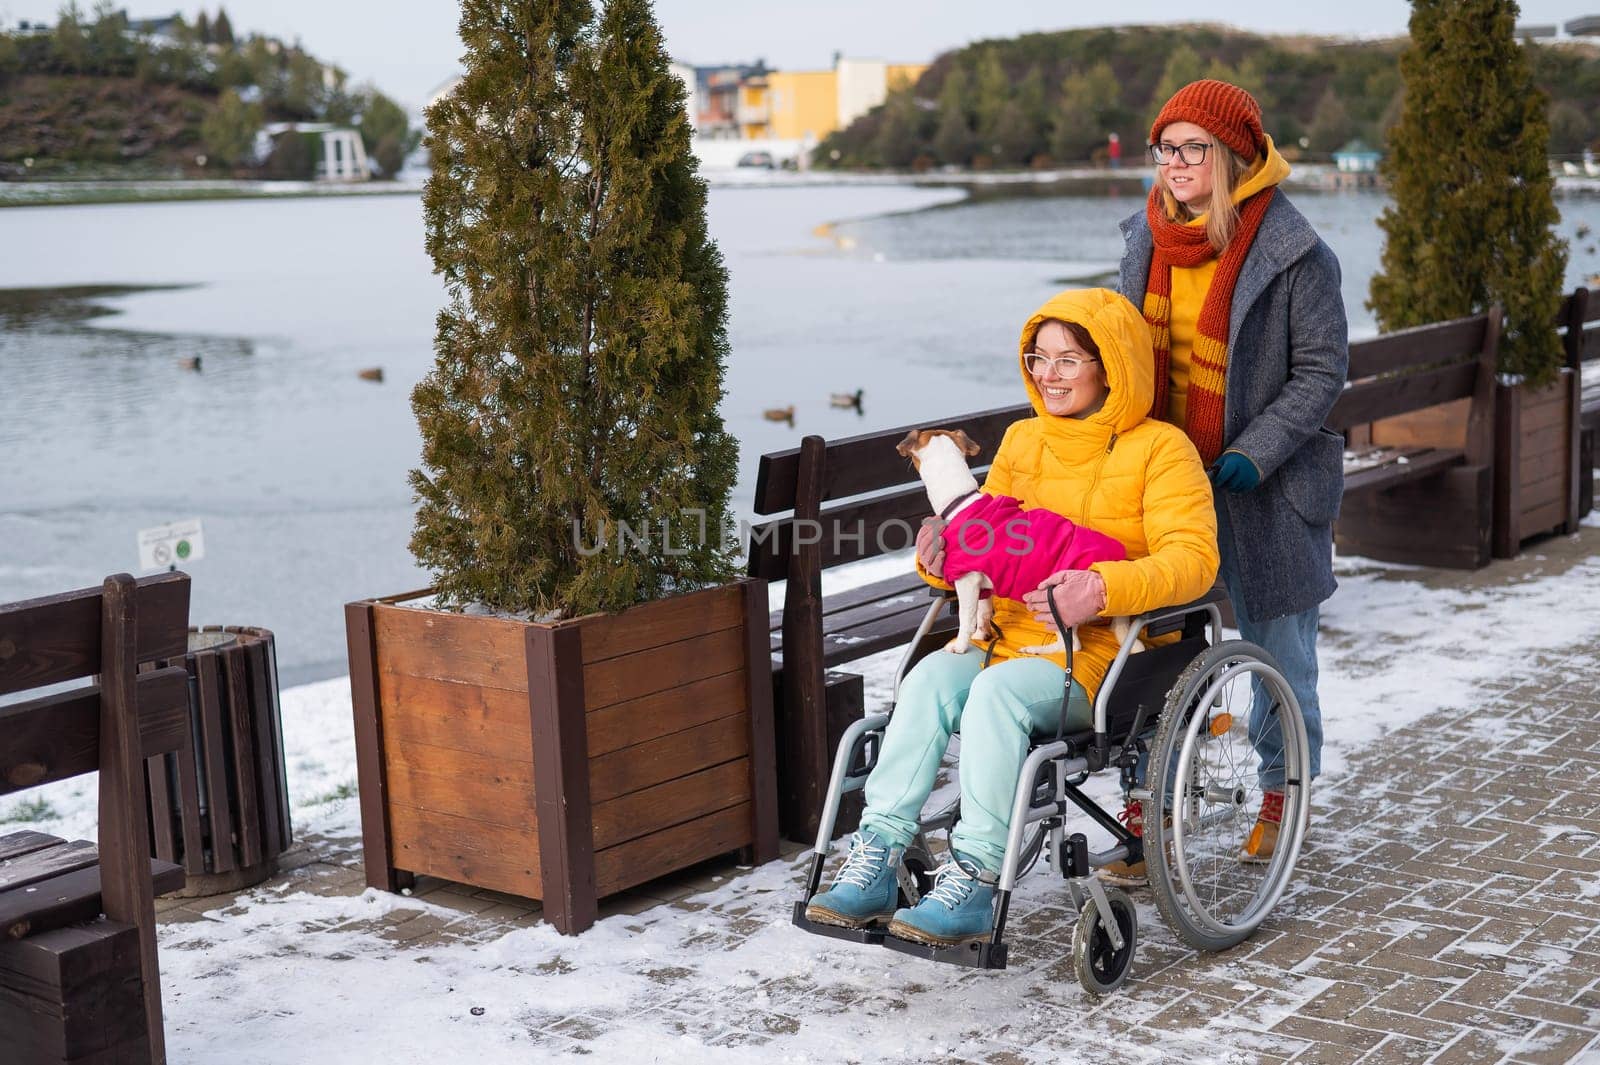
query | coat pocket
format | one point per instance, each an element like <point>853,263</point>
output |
<point>1313,478</point>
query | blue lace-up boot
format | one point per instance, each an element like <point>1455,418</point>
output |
<point>864,890</point>
<point>959,909</point>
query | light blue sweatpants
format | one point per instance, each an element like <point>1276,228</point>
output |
<point>995,710</point>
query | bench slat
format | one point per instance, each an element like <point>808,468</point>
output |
<point>43,864</point>
<point>68,899</point>
<point>1462,338</point>
<point>850,532</point>
<point>876,592</point>
<point>1411,465</point>
<point>58,736</point>
<point>863,640</point>
<point>1375,398</point>
<point>57,638</point>
<point>1589,403</point>
<point>19,843</point>
<point>909,615</point>
<point>842,630</point>
<point>868,463</point>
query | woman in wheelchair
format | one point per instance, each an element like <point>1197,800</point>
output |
<point>1092,455</point>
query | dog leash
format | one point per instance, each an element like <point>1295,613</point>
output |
<point>1066,691</point>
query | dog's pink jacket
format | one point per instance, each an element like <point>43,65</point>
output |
<point>992,535</point>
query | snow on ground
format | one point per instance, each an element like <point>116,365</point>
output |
<point>286,975</point>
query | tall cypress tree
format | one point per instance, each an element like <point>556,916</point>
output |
<point>953,139</point>
<point>579,360</point>
<point>1472,217</point>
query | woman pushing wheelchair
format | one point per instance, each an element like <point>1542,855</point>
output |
<point>1094,456</point>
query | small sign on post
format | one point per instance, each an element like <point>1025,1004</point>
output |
<point>171,545</point>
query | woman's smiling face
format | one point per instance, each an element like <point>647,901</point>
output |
<point>1189,183</point>
<point>1066,397</point>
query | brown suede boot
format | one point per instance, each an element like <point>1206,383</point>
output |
<point>1127,874</point>
<point>1263,839</point>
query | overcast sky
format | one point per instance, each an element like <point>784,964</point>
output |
<point>408,47</point>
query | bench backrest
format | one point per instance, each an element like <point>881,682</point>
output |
<point>77,636</point>
<point>853,498</point>
<point>1413,369</point>
<point>1578,338</point>
<point>111,725</point>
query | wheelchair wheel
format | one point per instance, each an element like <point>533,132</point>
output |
<point>918,866</point>
<point>1207,775</point>
<point>1101,967</point>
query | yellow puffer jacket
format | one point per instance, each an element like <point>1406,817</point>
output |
<point>1117,472</point>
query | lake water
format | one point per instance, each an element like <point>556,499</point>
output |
<point>298,467</point>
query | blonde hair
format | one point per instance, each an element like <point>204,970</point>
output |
<point>1228,169</point>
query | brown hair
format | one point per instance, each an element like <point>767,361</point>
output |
<point>1077,332</point>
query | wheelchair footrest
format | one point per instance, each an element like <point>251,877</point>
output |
<point>870,936</point>
<point>973,955</point>
<point>985,955</point>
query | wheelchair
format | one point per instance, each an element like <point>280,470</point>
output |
<point>1192,709</point>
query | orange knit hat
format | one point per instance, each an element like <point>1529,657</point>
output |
<point>1225,111</point>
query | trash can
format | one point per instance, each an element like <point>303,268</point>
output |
<point>220,806</point>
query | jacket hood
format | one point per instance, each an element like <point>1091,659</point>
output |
<point>1120,332</point>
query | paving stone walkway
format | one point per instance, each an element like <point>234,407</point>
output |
<point>1446,909</point>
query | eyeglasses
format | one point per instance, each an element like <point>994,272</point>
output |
<point>1193,152</point>
<point>1065,368</point>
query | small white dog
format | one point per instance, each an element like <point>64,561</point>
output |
<point>992,544</point>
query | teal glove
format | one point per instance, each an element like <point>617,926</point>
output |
<point>1234,472</point>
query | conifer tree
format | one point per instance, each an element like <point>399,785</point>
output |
<point>1331,125</point>
<point>1084,113</point>
<point>222,29</point>
<point>229,128</point>
<point>990,91</point>
<point>953,139</point>
<point>1183,66</point>
<point>900,135</point>
<point>202,28</point>
<point>1019,133</point>
<point>1472,219</point>
<point>579,359</point>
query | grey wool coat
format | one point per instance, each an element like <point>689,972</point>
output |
<point>1288,352</point>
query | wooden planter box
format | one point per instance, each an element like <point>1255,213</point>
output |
<point>1536,489</point>
<point>566,761</point>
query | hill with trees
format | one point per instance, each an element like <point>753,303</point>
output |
<point>1053,98</point>
<point>98,94</point>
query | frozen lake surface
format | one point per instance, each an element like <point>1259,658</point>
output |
<point>298,467</point>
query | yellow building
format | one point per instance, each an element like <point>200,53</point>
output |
<point>803,105</point>
<point>754,113</point>
<point>904,74</point>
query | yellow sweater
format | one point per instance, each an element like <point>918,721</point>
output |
<point>1191,283</point>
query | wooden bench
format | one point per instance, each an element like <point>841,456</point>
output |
<point>76,986</point>
<point>1417,413</point>
<point>1582,343</point>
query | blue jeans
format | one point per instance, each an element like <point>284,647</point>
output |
<point>996,710</point>
<point>1292,642</point>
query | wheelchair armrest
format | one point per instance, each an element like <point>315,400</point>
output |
<point>1153,623</point>
<point>1171,618</point>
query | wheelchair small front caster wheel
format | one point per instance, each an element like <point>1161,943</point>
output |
<point>1101,967</point>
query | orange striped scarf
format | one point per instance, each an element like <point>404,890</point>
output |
<point>1177,244</point>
